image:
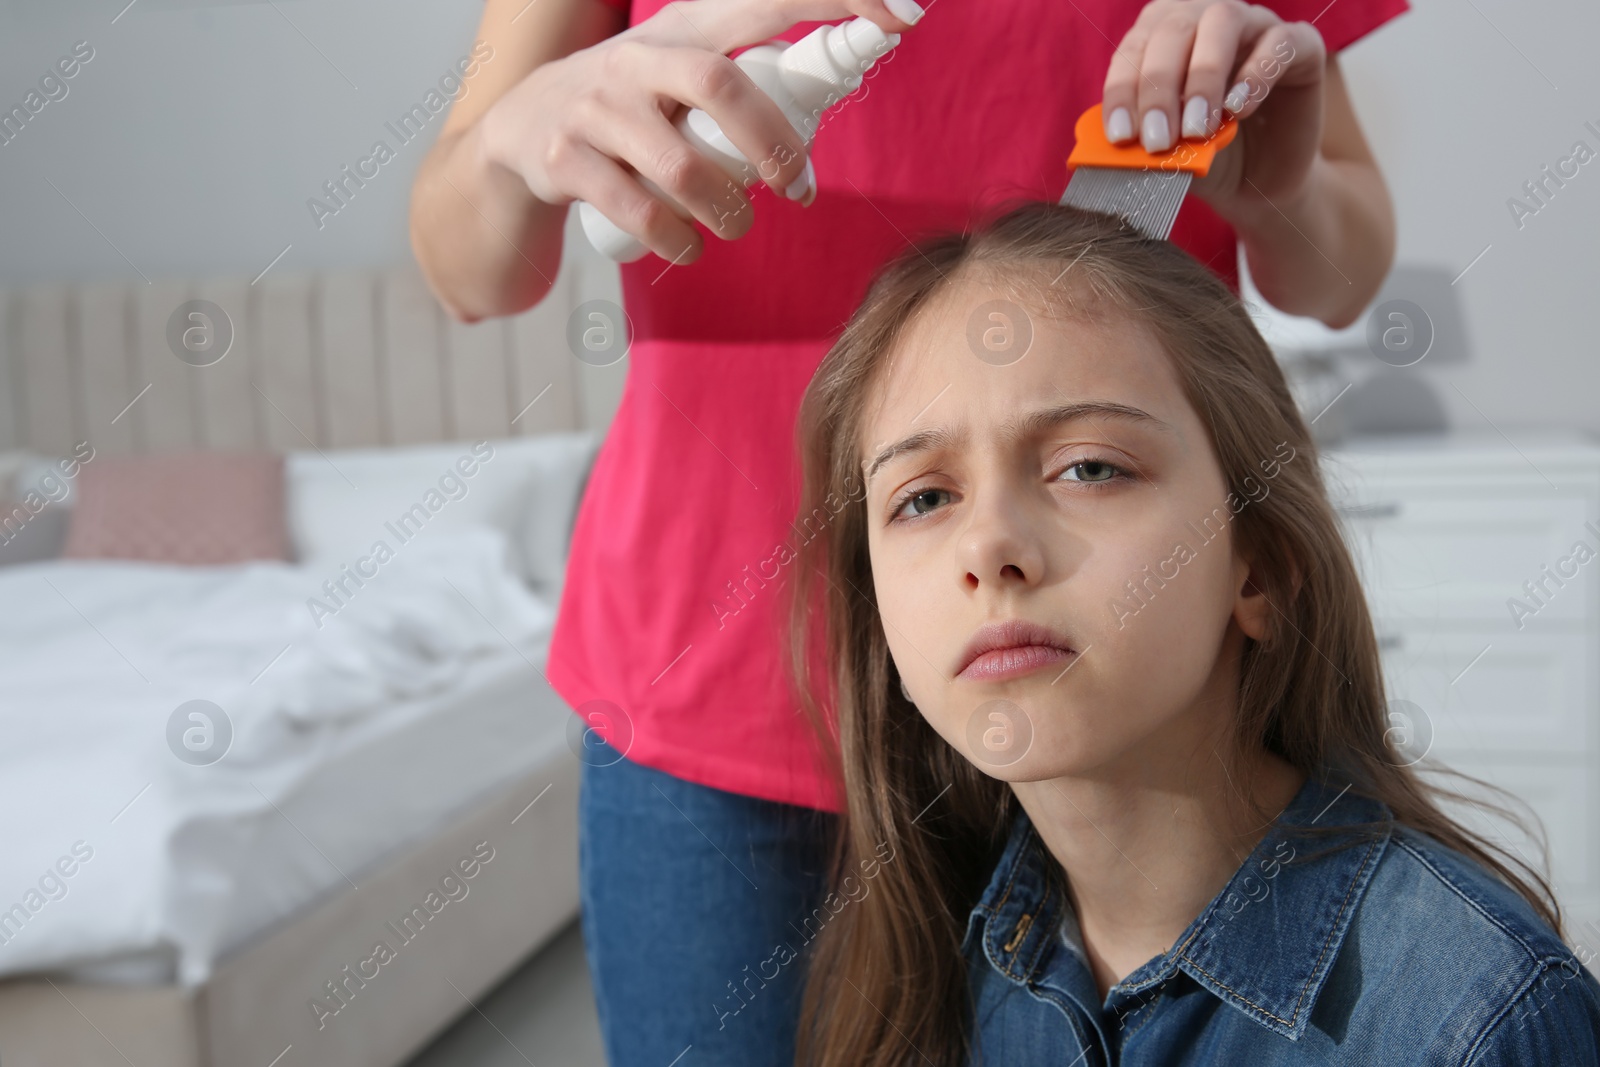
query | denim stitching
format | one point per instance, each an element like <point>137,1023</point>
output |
<point>1018,932</point>
<point>1012,971</point>
<point>1046,937</point>
<point>994,909</point>
<point>1502,1015</point>
<point>1149,1015</point>
<point>1535,956</point>
<point>1016,872</point>
<point>1303,989</point>
<point>1167,972</point>
<point>1083,1033</point>
<point>1541,963</point>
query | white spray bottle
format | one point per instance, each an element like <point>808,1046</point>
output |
<point>804,79</point>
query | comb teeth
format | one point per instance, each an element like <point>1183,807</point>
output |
<point>1147,199</point>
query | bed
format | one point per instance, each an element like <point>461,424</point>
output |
<point>394,770</point>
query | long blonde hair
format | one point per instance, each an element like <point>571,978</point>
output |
<point>887,970</point>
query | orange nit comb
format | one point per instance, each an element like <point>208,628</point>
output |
<point>1142,187</point>
<point>1093,150</point>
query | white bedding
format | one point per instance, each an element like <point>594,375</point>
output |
<point>417,695</point>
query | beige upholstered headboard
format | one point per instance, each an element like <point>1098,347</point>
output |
<point>332,360</point>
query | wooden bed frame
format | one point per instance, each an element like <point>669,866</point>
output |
<point>339,360</point>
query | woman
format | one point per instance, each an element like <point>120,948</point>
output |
<point>703,845</point>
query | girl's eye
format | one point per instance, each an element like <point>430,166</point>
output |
<point>1093,470</point>
<point>922,501</point>
<point>919,503</point>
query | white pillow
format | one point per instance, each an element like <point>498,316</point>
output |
<point>14,464</point>
<point>564,462</point>
<point>341,503</point>
<point>36,497</point>
<point>50,478</point>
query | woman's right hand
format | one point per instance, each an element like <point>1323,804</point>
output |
<point>570,124</point>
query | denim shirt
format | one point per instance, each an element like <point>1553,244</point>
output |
<point>1392,949</point>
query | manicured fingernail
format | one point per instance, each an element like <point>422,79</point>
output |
<point>1235,100</point>
<point>904,10</point>
<point>803,188</point>
<point>1196,117</point>
<point>1157,136</point>
<point>1119,127</point>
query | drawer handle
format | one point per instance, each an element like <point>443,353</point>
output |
<point>1373,511</point>
<point>1388,642</point>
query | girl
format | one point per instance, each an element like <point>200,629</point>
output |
<point>1109,713</point>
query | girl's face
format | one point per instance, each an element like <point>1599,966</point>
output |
<point>1071,490</point>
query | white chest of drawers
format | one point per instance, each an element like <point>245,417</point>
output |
<point>1451,534</point>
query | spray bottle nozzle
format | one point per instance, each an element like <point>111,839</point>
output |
<point>864,38</point>
<point>830,62</point>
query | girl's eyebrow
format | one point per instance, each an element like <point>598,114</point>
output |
<point>1027,425</point>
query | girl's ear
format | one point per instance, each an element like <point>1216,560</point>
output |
<point>1251,609</point>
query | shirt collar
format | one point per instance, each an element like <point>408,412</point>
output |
<point>1264,945</point>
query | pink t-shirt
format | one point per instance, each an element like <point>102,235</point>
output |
<point>672,610</point>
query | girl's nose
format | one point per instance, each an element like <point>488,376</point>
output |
<point>999,547</point>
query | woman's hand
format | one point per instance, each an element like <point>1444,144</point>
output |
<point>1187,63</point>
<point>570,125</point>
<point>1298,184</point>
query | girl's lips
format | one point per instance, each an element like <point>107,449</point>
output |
<point>1012,662</point>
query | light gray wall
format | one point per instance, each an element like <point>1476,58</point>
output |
<point>1455,99</point>
<point>193,139</point>
<point>197,133</point>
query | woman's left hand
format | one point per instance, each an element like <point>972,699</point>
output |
<point>1185,61</point>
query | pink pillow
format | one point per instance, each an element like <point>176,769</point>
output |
<point>180,507</point>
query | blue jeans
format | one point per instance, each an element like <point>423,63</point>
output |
<point>686,892</point>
